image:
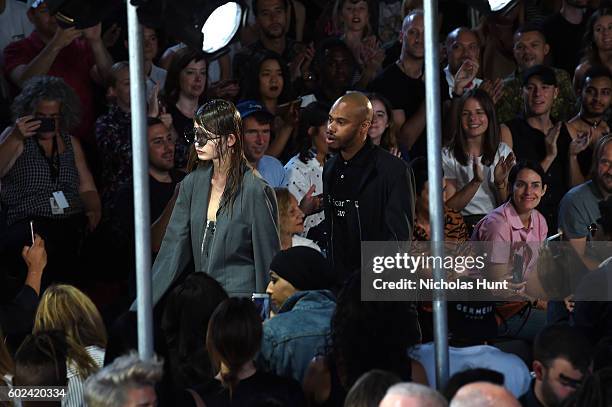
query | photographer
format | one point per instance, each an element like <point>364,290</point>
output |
<point>45,179</point>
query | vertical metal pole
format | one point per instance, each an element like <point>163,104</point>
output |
<point>436,208</point>
<point>473,14</point>
<point>142,223</point>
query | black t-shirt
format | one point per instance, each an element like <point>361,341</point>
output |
<point>529,144</point>
<point>184,128</point>
<point>250,392</point>
<point>565,40</point>
<point>347,177</point>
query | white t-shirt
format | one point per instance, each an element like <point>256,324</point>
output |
<point>301,176</point>
<point>484,200</point>
<point>516,374</point>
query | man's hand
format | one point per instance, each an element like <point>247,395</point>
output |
<point>580,143</point>
<point>551,141</point>
<point>64,37</point>
<point>35,256</point>
<point>494,89</point>
<point>465,74</point>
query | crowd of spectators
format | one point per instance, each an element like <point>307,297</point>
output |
<point>269,164</point>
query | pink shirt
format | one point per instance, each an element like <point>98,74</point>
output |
<point>505,225</point>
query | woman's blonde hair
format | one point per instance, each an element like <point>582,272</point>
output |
<point>67,309</point>
<point>283,199</point>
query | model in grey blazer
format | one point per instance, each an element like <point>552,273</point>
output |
<point>244,243</point>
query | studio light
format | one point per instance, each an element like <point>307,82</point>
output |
<point>492,6</point>
<point>208,25</point>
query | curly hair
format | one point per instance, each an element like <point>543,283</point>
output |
<point>48,88</point>
<point>368,335</point>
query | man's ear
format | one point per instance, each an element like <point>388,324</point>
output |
<point>546,49</point>
<point>538,369</point>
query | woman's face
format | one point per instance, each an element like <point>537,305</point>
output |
<point>192,79</point>
<point>206,145</point>
<point>270,79</point>
<point>319,136</point>
<point>527,191</point>
<point>380,121</point>
<point>293,220</point>
<point>355,15</point>
<point>474,120</point>
<point>602,33</point>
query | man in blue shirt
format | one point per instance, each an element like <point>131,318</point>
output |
<point>256,124</point>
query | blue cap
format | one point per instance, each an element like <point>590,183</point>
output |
<point>248,107</point>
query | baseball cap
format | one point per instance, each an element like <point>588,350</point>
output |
<point>545,73</point>
<point>249,107</point>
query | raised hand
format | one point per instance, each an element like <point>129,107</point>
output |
<point>311,203</point>
<point>494,89</point>
<point>153,102</point>
<point>502,169</point>
<point>551,140</point>
<point>465,74</point>
<point>580,143</point>
<point>93,33</point>
<point>26,126</point>
<point>477,168</point>
<point>64,37</point>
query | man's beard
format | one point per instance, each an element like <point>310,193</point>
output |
<point>549,396</point>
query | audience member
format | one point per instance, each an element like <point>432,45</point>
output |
<point>53,50</point>
<point>365,335</point>
<point>187,312</point>
<point>362,179</point>
<point>370,388</point>
<point>233,341</point>
<point>234,202</point>
<point>383,130</point>
<point>477,162</point>
<point>472,327</point>
<point>564,31</point>
<point>299,329</point>
<point>41,361</point>
<point>483,395</point>
<point>561,359</point>
<point>463,55</point>
<point>412,394</point>
<point>182,95</point>
<point>45,178</point>
<point>455,229</point>
<point>155,76</point>
<point>305,170</point>
<point>68,310</point>
<point>291,221</point>
<point>356,31</point>
<point>257,127</point>
<point>270,85</point>
<point>531,49</point>
<point>405,77</point>
<point>589,125</point>
<point>595,391</point>
<point>597,49</point>
<point>535,136</point>
<point>127,382</point>
<point>15,26</point>
<point>473,375</point>
<point>579,208</point>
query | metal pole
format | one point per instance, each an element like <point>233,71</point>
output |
<point>436,208</point>
<point>142,224</point>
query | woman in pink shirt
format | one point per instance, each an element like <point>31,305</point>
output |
<point>518,229</point>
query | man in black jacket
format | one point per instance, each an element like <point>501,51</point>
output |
<point>368,193</point>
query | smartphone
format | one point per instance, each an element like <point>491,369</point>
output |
<point>283,109</point>
<point>262,303</point>
<point>47,124</point>
<point>32,231</point>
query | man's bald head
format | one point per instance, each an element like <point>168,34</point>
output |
<point>412,395</point>
<point>410,18</point>
<point>358,103</point>
<point>481,394</point>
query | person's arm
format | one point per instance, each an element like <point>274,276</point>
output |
<point>103,60</point>
<point>12,146</point>
<point>158,228</point>
<point>577,145</point>
<point>418,373</point>
<point>506,135</point>
<point>41,64</point>
<point>500,177</point>
<point>574,224</point>
<point>413,127</point>
<point>35,257</point>
<point>266,240</point>
<point>399,211</point>
<point>317,381</point>
<point>551,146</point>
<point>579,245</point>
<point>459,199</point>
<point>284,131</point>
<point>87,188</point>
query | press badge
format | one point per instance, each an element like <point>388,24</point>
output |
<point>58,203</point>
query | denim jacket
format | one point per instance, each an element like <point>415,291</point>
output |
<point>299,332</point>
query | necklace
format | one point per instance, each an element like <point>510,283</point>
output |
<point>594,124</point>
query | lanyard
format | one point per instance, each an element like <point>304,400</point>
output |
<point>53,161</point>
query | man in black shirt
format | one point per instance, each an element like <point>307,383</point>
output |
<point>368,193</point>
<point>402,83</point>
<point>564,31</point>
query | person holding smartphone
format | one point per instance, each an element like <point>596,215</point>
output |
<point>45,178</point>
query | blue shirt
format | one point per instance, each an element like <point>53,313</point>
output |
<point>272,171</point>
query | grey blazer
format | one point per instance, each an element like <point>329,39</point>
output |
<point>242,247</point>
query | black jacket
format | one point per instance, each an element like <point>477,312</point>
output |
<point>383,203</point>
